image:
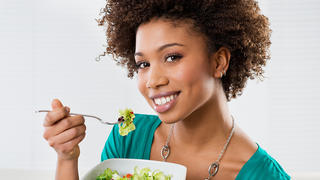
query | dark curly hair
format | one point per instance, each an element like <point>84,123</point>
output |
<point>235,24</point>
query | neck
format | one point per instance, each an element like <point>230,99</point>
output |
<point>209,126</point>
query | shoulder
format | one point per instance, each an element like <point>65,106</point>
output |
<point>262,166</point>
<point>146,120</point>
<point>145,126</point>
<point>143,123</point>
<point>136,143</point>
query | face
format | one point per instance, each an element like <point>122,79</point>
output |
<point>175,73</point>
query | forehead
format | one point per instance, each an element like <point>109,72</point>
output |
<point>159,31</point>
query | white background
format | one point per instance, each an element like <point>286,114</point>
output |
<point>48,50</point>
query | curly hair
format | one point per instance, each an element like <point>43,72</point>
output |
<point>235,24</point>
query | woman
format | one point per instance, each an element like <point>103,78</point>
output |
<point>191,57</point>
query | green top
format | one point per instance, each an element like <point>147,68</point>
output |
<point>137,145</point>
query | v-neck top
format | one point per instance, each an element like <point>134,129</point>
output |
<point>137,145</point>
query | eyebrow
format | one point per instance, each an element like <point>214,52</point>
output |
<point>160,48</point>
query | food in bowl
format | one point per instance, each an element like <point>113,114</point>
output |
<point>138,174</point>
<point>124,166</point>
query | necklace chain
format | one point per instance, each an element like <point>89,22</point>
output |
<point>214,167</point>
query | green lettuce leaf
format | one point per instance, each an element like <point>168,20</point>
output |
<point>127,125</point>
<point>139,174</point>
<point>107,174</point>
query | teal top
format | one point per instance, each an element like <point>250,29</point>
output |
<point>137,145</point>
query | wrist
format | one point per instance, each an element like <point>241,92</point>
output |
<point>64,160</point>
<point>67,169</point>
<point>73,155</point>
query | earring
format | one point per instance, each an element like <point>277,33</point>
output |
<point>223,73</point>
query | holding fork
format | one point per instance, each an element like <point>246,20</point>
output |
<point>64,133</point>
<point>99,119</point>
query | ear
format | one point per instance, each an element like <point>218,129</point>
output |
<point>220,62</point>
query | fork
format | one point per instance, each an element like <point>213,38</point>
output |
<point>120,120</point>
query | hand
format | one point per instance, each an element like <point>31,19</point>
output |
<point>64,132</point>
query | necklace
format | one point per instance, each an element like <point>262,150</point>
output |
<point>214,167</point>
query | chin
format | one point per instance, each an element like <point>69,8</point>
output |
<point>169,118</point>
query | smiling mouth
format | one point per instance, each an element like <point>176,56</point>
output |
<point>165,99</point>
<point>165,103</point>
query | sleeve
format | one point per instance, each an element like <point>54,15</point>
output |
<point>269,172</point>
<point>261,166</point>
<point>275,171</point>
<point>269,169</point>
<point>112,147</point>
<point>136,144</point>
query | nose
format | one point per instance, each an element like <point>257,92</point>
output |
<point>156,78</point>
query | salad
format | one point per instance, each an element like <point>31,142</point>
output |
<point>143,174</point>
<point>126,118</point>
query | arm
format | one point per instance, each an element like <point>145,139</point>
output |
<point>64,133</point>
<point>67,169</point>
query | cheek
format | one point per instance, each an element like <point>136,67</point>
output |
<point>196,81</point>
<point>190,74</point>
<point>141,83</point>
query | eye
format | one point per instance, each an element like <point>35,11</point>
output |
<point>173,57</point>
<point>142,65</point>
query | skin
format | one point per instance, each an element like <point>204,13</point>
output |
<point>64,133</point>
<point>201,116</point>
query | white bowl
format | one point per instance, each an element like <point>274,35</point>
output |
<point>124,166</point>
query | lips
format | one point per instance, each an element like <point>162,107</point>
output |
<point>164,94</point>
<point>160,107</point>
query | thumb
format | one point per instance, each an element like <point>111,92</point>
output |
<point>56,104</point>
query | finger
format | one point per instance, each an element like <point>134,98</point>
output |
<point>67,135</point>
<point>63,125</point>
<point>68,146</point>
<point>56,104</point>
<point>56,115</point>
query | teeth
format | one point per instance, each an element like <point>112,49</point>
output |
<point>164,100</point>
<point>157,101</point>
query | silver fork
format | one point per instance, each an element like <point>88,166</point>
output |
<point>99,119</point>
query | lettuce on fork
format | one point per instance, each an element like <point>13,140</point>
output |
<point>126,116</point>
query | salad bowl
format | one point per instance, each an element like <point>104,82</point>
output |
<point>125,166</point>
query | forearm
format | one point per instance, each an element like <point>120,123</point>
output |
<point>67,169</point>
